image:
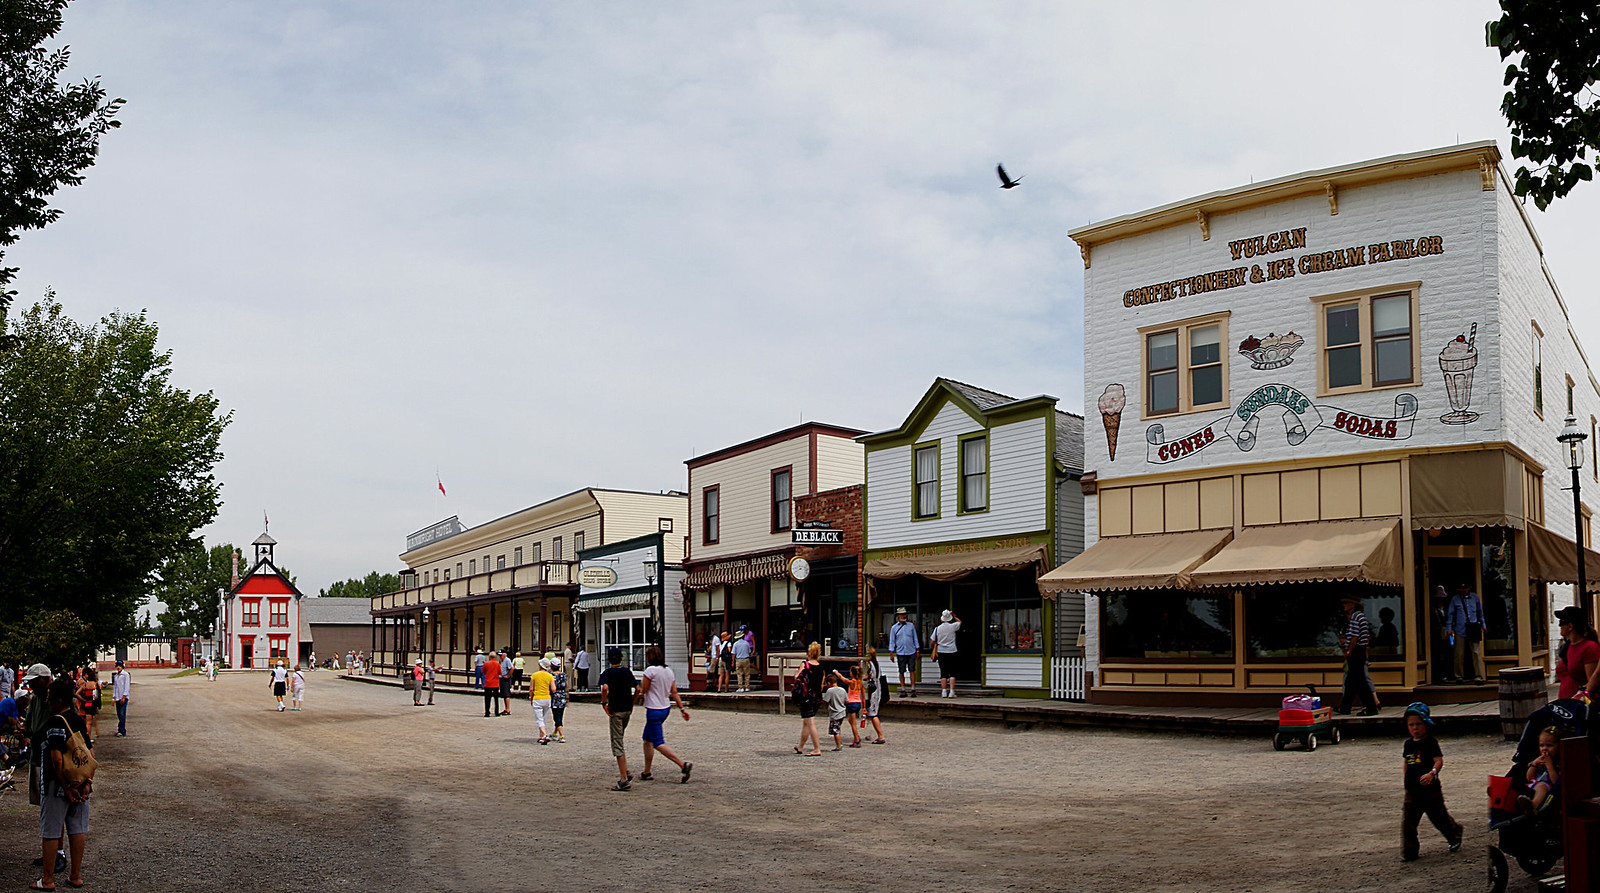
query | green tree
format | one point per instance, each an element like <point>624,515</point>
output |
<point>1551,106</point>
<point>49,130</point>
<point>58,639</point>
<point>105,467</point>
<point>374,584</point>
<point>189,582</point>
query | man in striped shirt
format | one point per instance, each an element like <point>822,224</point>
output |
<point>1357,680</point>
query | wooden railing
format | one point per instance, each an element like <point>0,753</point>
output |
<point>543,573</point>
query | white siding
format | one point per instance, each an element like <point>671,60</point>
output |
<point>1018,486</point>
<point>1069,543</point>
<point>628,515</point>
<point>839,462</point>
<point>1015,672</point>
<point>745,501</point>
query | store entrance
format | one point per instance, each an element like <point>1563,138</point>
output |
<point>1445,572</point>
<point>966,600</point>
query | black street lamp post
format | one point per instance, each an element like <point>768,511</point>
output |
<point>660,605</point>
<point>1574,437</point>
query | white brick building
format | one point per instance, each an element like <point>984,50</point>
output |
<point>1319,385</point>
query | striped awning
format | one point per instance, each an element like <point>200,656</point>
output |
<point>627,600</point>
<point>738,570</point>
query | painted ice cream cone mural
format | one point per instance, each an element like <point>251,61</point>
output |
<point>1112,403</point>
<point>1456,361</point>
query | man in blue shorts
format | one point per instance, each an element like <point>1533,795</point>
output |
<point>903,643</point>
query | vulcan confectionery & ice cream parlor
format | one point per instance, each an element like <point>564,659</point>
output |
<point>1342,382</point>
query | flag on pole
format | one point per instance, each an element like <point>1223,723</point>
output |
<point>441,485</point>
<point>265,525</point>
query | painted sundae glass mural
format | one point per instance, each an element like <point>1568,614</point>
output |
<point>1112,403</point>
<point>1271,352</point>
<point>1457,361</point>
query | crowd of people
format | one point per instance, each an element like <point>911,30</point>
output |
<point>48,728</point>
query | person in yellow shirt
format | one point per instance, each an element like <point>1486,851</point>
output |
<point>517,677</point>
<point>539,688</point>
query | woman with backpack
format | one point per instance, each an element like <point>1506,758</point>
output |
<point>808,694</point>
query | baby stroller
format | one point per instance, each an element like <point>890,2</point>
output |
<point>1534,841</point>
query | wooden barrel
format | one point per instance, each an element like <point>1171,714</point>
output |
<point>1522,691</point>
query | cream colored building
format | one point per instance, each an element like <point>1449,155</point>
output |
<point>510,582</point>
<point>1342,382</point>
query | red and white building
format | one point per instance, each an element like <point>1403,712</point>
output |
<point>260,616</point>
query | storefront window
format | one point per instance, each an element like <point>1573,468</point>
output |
<point>1016,619</point>
<point>1499,593</point>
<point>786,623</point>
<point>1166,624</point>
<point>631,635</point>
<point>707,620</point>
<point>1541,608</point>
<point>1305,621</point>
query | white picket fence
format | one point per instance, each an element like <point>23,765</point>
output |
<point>1066,678</point>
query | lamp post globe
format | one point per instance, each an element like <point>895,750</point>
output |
<point>1573,437</point>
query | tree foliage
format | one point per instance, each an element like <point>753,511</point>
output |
<point>1551,105</point>
<point>105,467</point>
<point>370,586</point>
<point>58,639</point>
<point>49,130</point>
<point>189,582</point>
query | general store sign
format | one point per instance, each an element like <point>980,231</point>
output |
<point>597,577</point>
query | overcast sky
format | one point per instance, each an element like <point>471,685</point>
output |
<point>538,247</point>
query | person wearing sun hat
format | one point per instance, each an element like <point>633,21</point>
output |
<point>1355,640</point>
<point>1424,761</point>
<point>905,647</point>
<point>1578,663</point>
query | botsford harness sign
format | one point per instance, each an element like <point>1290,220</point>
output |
<point>1301,418</point>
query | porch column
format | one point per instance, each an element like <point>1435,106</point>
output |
<point>491,627</point>
<point>1525,619</point>
<point>516,627</point>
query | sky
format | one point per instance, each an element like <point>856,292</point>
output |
<point>521,249</point>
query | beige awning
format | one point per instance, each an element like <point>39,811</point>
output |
<point>947,566</point>
<point>1482,488</point>
<point>1145,561</point>
<point>1364,550</point>
<point>1552,558</point>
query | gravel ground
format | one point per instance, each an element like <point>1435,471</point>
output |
<point>216,790</point>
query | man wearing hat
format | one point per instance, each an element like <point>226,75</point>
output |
<point>1356,639</point>
<point>1464,620</point>
<point>905,646</point>
<point>36,680</point>
<point>742,650</point>
<point>417,674</point>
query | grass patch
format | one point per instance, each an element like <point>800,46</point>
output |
<point>192,671</point>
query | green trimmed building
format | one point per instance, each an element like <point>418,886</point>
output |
<point>967,503</point>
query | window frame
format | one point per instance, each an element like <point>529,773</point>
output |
<point>1538,369</point>
<point>710,521</point>
<point>250,612</point>
<point>277,607</point>
<point>938,482</point>
<point>577,542</point>
<point>962,474</point>
<point>500,562</point>
<point>472,567</point>
<point>538,553</point>
<point>516,557</point>
<point>1365,338</point>
<point>1184,370</point>
<point>555,549</point>
<point>787,502</point>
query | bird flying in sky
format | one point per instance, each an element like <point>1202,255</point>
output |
<point>1005,179</point>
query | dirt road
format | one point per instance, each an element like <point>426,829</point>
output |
<point>215,790</point>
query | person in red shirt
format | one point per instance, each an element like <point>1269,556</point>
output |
<point>1579,666</point>
<point>491,686</point>
<point>416,683</point>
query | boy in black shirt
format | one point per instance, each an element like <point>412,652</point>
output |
<point>1424,760</point>
<point>616,693</point>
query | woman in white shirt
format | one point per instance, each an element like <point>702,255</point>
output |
<point>297,689</point>
<point>658,692</point>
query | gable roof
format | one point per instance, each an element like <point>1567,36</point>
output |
<point>275,583</point>
<point>982,404</point>
<point>1069,442</point>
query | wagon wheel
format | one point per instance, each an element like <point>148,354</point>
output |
<point>1499,871</point>
<point>1333,734</point>
<point>1278,742</point>
<point>1311,741</point>
<point>1537,865</point>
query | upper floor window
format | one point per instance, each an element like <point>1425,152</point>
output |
<point>472,566</point>
<point>926,466</point>
<point>1368,341</point>
<point>780,499</point>
<point>710,501</point>
<point>975,473</point>
<point>1538,371</point>
<point>278,613</point>
<point>252,612</point>
<point>577,542</point>
<point>538,552</point>
<point>555,548</point>
<point>516,556</point>
<point>447,575</point>
<point>1184,367</point>
<point>458,570</point>
<point>1569,395</point>
<point>500,563</point>
<point>435,575</point>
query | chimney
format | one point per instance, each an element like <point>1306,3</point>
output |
<point>235,568</point>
